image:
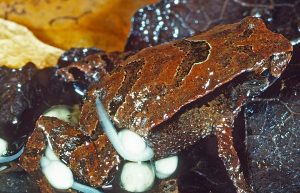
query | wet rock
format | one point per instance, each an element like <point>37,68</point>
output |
<point>16,97</point>
<point>202,171</point>
<point>14,179</point>
<point>272,137</point>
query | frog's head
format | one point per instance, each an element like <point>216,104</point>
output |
<point>273,49</point>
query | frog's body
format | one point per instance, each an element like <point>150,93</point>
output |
<point>159,90</point>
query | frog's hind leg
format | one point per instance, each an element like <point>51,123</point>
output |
<point>30,159</point>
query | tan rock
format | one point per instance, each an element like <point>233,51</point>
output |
<point>19,46</point>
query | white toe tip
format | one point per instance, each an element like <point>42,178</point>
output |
<point>166,167</point>
<point>132,142</point>
<point>137,177</point>
<point>58,175</point>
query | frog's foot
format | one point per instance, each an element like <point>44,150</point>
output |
<point>59,175</point>
<point>128,144</point>
<point>230,159</point>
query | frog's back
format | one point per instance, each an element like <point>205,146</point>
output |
<point>156,82</point>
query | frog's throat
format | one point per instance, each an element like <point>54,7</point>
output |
<point>113,137</point>
<point>5,159</point>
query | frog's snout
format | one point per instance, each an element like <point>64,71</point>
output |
<point>278,63</point>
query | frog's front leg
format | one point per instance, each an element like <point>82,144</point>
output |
<point>232,102</point>
<point>229,156</point>
<point>215,117</point>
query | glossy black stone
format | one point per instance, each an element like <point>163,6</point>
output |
<point>272,137</point>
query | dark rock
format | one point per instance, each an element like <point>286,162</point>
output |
<point>14,179</point>
<point>25,94</point>
<point>202,171</point>
<point>272,140</point>
<point>75,54</point>
<point>15,97</point>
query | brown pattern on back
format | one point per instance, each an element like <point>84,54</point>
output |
<point>160,91</point>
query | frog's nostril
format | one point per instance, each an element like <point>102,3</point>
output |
<point>3,149</point>
<point>126,142</point>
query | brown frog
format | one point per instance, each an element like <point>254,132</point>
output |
<point>172,95</point>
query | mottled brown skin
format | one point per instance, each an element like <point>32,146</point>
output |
<point>183,71</point>
<point>173,95</point>
<point>91,67</point>
<point>90,160</point>
<point>156,82</point>
<point>166,186</point>
<point>211,115</point>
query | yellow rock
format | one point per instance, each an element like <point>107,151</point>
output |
<point>19,46</point>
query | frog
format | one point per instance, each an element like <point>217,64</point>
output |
<point>171,95</point>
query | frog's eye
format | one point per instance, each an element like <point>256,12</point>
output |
<point>128,144</point>
<point>3,149</point>
<point>59,175</point>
